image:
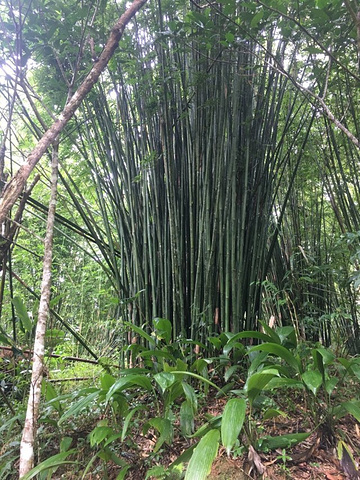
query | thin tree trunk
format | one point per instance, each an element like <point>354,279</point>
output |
<point>30,427</point>
<point>17,183</point>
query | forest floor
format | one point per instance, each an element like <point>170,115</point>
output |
<point>315,459</point>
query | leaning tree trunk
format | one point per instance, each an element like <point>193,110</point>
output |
<point>17,183</point>
<point>30,427</point>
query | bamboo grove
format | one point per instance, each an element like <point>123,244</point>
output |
<point>224,193</point>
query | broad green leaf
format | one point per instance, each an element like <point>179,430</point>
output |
<point>327,355</point>
<point>352,366</point>
<point>190,395</point>
<point>330,384</point>
<point>355,368</point>
<point>280,382</point>
<point>281,352</point>
<point>141,332</point>
<point>54,461</point>
<point>256,383</point>
<point>181,365</point>
<point>353,408</point>
<point>230,371</point>
<point>246,334</point>
<point>22,313</point>
<point>98,434</point>
<point>4,339</point>
<point>163,329</point>
<point>65,444</point>
<point>128,419</point>
<point>127,382</point>
<point>165,380</point>
<point>123,472</point>
<point>107,381</point>
<point>201,365</point>
<point>257,360</point>
<point>232,422</point>
<point>49,391</point>
<point>199,377</point>
<point>273,413</point>
<point>268,442</point>
<point>270,332</point>
<point>345,362</point>
<point>203,456</point>
<point>313,380</point>
<point>287,335</point>
<point>318,362</point>
<point>186,418</point>
<point>230,37</point>
<point>155,354</point>
<point>111,439</point>
<point>216,342</point>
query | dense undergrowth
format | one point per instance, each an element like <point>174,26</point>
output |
<point>153,417</point>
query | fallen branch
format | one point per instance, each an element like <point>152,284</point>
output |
<point>76,379</point>
<point>30,353</point>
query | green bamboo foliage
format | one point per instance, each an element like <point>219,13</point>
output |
<point>186,156</point>
<point>312,254</point>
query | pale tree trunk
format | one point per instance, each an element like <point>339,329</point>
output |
<point>17,183</point>
<point>30,427</point>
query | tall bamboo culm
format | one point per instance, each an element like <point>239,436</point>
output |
<point>183,143</point>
